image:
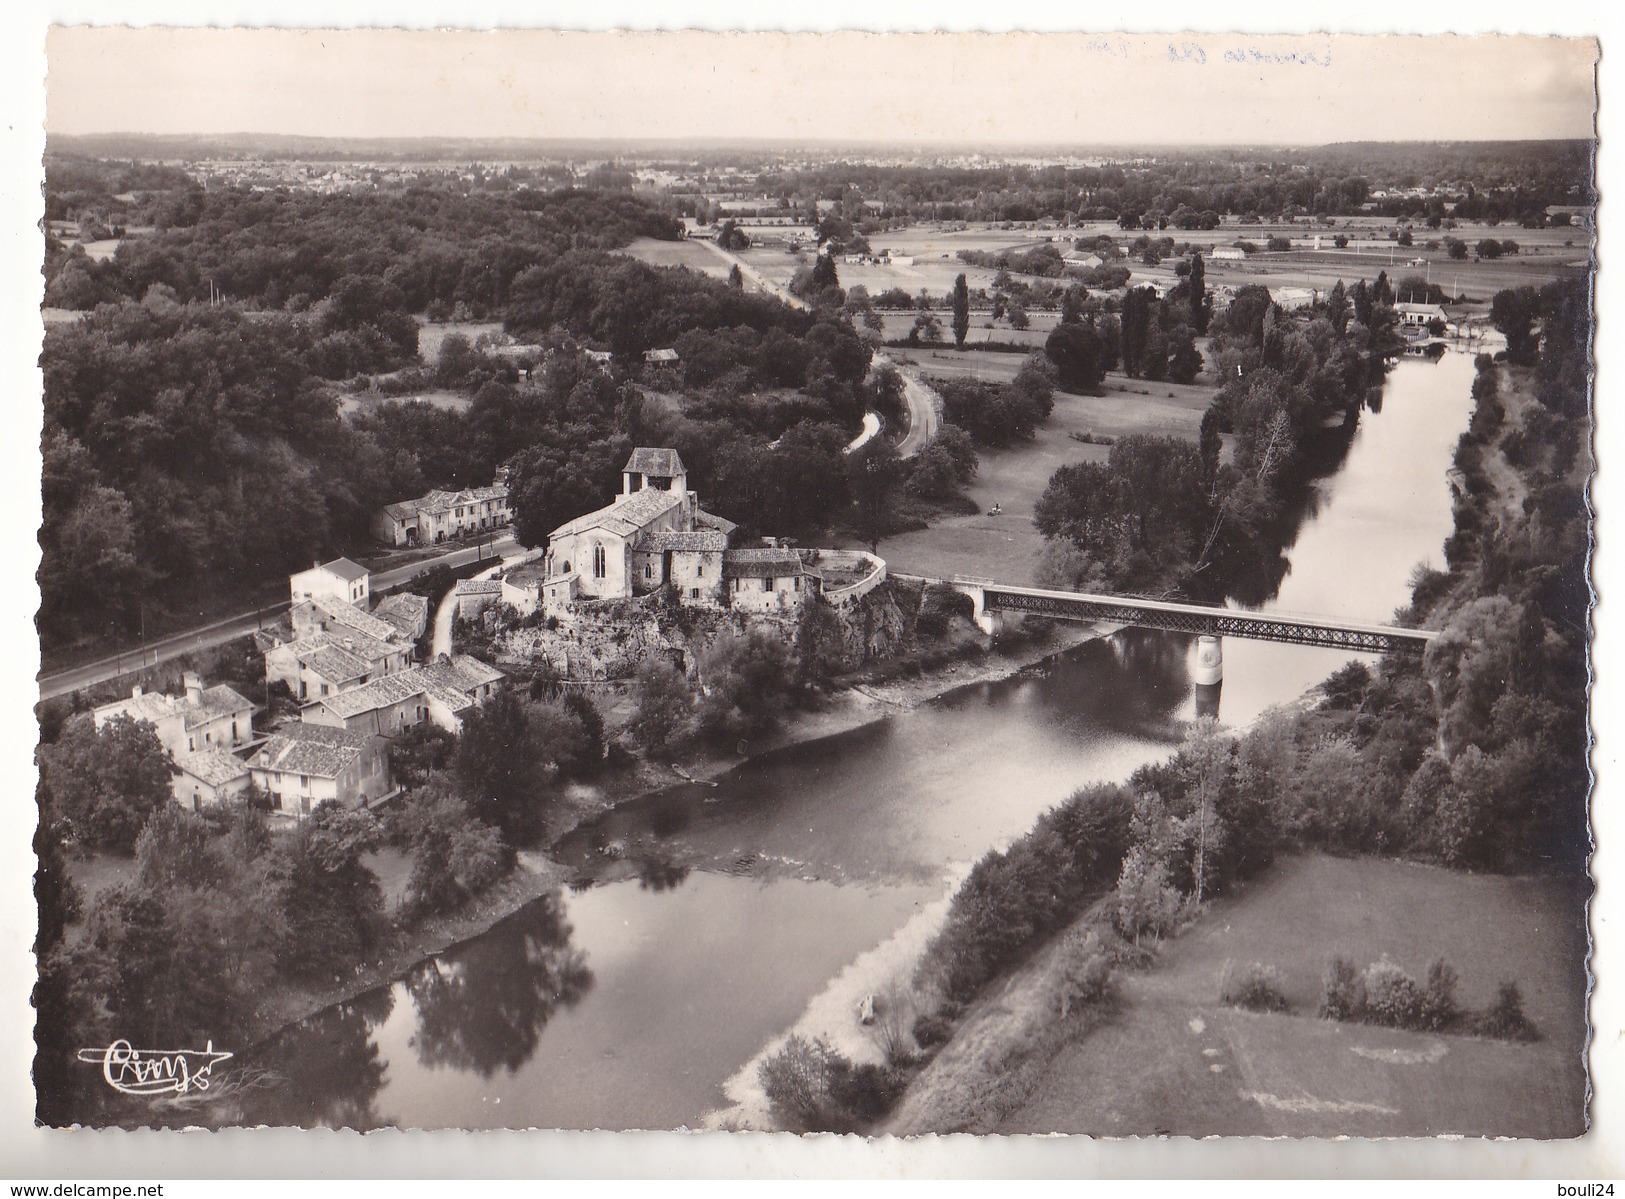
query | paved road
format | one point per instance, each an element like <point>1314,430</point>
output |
<point>923,403</point>
<point>221,631</point>
<point>923,406</point>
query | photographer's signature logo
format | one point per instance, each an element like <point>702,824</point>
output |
<point>155,1071</point>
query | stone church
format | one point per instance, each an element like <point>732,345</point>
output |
<point>654,533</point>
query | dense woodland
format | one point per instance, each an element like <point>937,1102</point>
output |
<point>173,425</point>
<point>1508,182</point>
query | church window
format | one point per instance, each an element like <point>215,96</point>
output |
<point>648,570</point>
<point>599,562</point>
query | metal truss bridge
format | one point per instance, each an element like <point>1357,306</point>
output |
<point>993,599</point>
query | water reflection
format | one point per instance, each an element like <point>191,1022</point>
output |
<point>484,1008</point>
<point>326,1072</point>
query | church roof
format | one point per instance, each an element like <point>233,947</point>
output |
<point>710,520</point>
<point>627,515</point>
<point>662,464</point>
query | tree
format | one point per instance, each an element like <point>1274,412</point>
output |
<point>333,905</point>
<point>1075,350</point>
<point>104,783</point>
<point>961,306</point>
<point>1135,327</point>
<point>1196,284</point>
<point>1184,361</point>
<point>873,474</point>
<point>736,278</point>
<point>1337,308</point>
<point>501,766</point>
<point>454,855</point>
<point>664,705</point>
<point>927,328</point>
<point>1488,248</point>
<point>1513,312</point>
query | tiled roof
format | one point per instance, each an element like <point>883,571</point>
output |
<point>300,753</point>
<point>153,707</point>
<point>354,618</point>
<point>215,767</point>
<point>710,520</point>
<point>764,563</point>
<point>358,645</point>
<point>406,613</point>
<point>346,569</point>
<point>453,680</point>
<point>330,661</point>
<point>219,700</point>
<point>380,693</point>
<point>625,516</point>
<point>702,540</point>
<point>479,586</point>
<point>661,463</point>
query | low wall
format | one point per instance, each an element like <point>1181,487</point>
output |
<point>853,560</point>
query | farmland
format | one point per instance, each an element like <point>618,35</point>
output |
<point>696,256</point>
<point>1173,1058</point>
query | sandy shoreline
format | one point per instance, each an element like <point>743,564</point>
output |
<point>854,706</point>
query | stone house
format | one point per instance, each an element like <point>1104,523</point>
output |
<point>441,691</point>
<point>208,778</point>
<point>302,765</point>
<point>767,580</point>
<point>443,515</point>
<point>203,718</point>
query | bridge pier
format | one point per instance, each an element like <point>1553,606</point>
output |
<point>1209,669</point>
<point>989,620</point>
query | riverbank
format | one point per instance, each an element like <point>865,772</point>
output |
<point>861,700</point>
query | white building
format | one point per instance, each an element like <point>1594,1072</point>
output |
<point>341,579</point>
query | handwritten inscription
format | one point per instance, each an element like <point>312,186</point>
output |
<point>132,1071</point>
<point>1200,54</point>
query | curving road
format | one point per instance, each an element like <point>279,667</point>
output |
<point>924,410</point>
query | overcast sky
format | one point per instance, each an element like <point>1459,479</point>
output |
<point>915,88</point>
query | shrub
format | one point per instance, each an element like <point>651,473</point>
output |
<point>1342,993</point>
<point>1505,1018</point>
<point>1392,996</point>
<point>862,1094</point>
<point>1439,1008</point>
<point>797,1080</point>
<point>932,1029</point>
<point>1257,987</point>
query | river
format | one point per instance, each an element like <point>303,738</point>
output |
<point>723,916</point>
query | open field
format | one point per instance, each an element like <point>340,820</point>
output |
<point>1007,546</point>
<point>1544,255</point>
<point>366,401</point>
<point>692,254</point>
<point>430,336</point>
<point>1173,1058</point>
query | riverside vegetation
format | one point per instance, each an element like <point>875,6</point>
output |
<point>1473,758</point>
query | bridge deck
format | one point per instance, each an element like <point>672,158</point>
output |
<point>1194,618</point>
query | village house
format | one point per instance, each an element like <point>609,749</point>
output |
<point>203,718</point>
<point>767,580</point>
<point>441,691</point>
<point>407,613</point>
<point>665,357</point>
<point>302,765</point>
<point>475,596</point>
<point>341,580</point>
<point>1075,258</point>
<point>208,778</point>
<point>1293,298</point>
<point>1419,316</point>
<point>326,663</point>
<point>443,516</point>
